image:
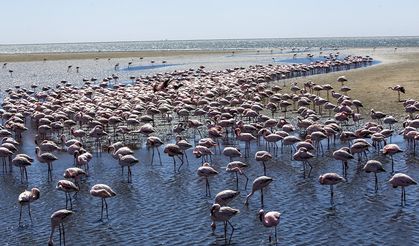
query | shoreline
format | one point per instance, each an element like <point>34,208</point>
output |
<point>27,57</point>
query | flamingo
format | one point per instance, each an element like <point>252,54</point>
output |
<point>103,191</point>
<point>74,173</point>
<point>206,171</point>
<point>67,187</point>
<point>391,149</point>
<point>25,198</point>
<point>128,161</point>
<point>402,180</point>
<point>173,150</point>
<point>223,214</point>
<point>231,152</point>
<point>344,155</point>
<point>270,219</point>
<point>225,197</point>
<point>399,89</point>
<point>154,143</point>
<point>304,155</point>
<point>375,167</point>
<point>258,184</point>
<point>237,167</point>
<point>330,179</point>
<point>263,156</point>
<point>47,158</point>
<point>22,161</point>
<point>57,219</point>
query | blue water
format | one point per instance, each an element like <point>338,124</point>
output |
<point>274,45</point>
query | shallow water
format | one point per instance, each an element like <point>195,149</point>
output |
<point>161,207</point>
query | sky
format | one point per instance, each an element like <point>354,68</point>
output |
<point>59,21</point>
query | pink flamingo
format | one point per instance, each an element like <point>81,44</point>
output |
<point>154,143</point>
<point>223,214</point>
<point>270,219</point>
<point>174,150</point>
<point>47,158</point>
<point>237,167</point>
<point>263,156</point>
<point>67,187</point>
<point>391,149</point>
<point>206,171</point>
<point>258,184</point>
<point>25,198</point>
<point>304,155</point>
<point>402,180</point>
<point>57,219</point>
<point>226,196</point>
<point>22,161</point>
<point>375,167</point>
<point>330,179</point>
<point>103,191</point>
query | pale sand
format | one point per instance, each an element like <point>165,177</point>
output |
<point>103,55</point>
<point>370,85</point>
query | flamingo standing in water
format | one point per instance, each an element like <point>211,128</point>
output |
<point>47,158</point>
<point>206,171</point>
<point>375,167</point>
<point>25,198</point>
<point>103,191</point>
<point>57,219</point>
<point>154,143</point>
<point>263,156</point>
<point>402,180</point>
<point>330,179</point>
<point>22,161</point>
<point>270,219</point>
<point>67,187</point>
<point>237,167</point>
<point>223,214</point>
<point>225,197</point>
<point>173,150</point>
<point>258,184</point>
<point>304,155</point>
<point>391,149</point>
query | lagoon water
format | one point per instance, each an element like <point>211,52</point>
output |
<point>161,207</point>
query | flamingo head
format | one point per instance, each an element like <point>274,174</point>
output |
<point>261,214</point>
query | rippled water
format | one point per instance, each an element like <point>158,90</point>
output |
<point>217,44</point>
<point>161,207</point>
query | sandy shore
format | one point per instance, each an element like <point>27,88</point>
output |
<point>102,55</point>
<point>370,84</point>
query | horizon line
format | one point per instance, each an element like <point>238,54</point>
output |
<point>220,39</point>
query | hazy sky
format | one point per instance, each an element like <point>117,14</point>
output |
<point>46,21</point>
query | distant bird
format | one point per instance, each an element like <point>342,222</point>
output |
<point>258,184</point>
<point>402,180</point>
<point>67,187</point>
<point>22,161</point>
<point>223,214</point>
<point>57,219</point>
<point>225,197</point>
<point>399,89</point>
<point>128,161</point>
<point>206,171</point>
<point>270,219</point>
<point>162,86</point>
<point>25,198</point>
<point>391,149</point>
<point>330,179</point>
<point>375,167</point>
<point>263,156</point>
<point>47,158</point>
<point>103,191</point>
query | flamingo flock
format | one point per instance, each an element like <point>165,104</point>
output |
<point>212,109</point>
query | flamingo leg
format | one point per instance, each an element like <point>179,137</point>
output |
<point>232,231</point>
<point>101,213</point>
<point>264,168</point>
<point>376,182</point>
<point>20,215</point>
<point>158,152</point>
<point>152,157</point>
<point>225,232</point>
<point>181,163</point>
<point>174,164</point>
<point>62,225</point>
<point>29,211</point>
<point>59,228</point>
<point>261,197</point>
<point>237,181</point>
<point>331,195</point>
<point>247,180</point>
<point>106,205</point>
